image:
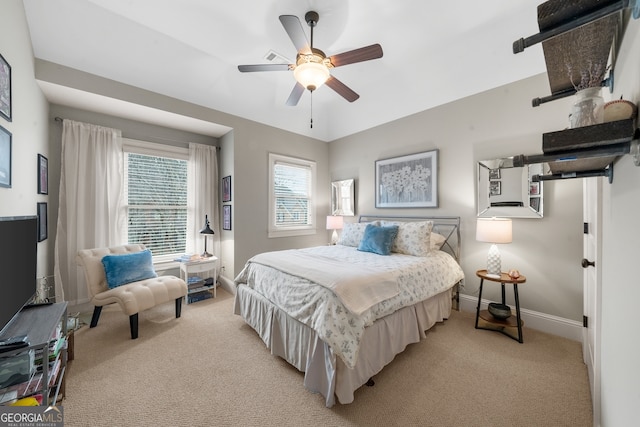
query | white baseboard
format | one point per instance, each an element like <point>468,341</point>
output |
<point>554,325</point>
<point>227,284</point>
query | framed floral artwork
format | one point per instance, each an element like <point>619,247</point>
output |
<point>5,89</point>
<point>407,182</point>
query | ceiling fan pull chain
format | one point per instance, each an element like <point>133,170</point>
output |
<point>311,99</point>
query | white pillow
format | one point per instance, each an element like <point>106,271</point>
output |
<point>414,238</point>
<point>352,233</point>
<point>437,240</point>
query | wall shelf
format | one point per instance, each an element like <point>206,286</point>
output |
<point>585,151</point>
<point>577,36</point>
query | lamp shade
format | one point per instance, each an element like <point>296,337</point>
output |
<point>311,75</point>
<point>206,229</point>
<point>493,230</point>
<point>334,222</point>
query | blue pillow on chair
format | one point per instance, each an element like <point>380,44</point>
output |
<point>378,239</point>
<point>127,268</point>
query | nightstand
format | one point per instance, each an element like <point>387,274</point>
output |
<point>195,273</point>
<point>498,325</point>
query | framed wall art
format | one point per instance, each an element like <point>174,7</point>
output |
<point>226,217</point>
<point>495,188</point>
<point>42,222</point>
<point>5,158</point>
<point>226,189</point>
<point>407,182</point>
<point>5,89</point>
<point>43,174</point>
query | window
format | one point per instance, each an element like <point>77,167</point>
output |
<point>156,197</point>
<point>291,196</point>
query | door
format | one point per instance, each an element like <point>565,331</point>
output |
<point>592,212</point>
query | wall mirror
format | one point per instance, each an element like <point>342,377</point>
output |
<point>343,197</point>
<point>508,191</point>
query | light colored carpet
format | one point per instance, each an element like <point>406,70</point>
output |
<point>209,368</point>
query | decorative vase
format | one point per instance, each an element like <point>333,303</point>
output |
<point>588,109</point>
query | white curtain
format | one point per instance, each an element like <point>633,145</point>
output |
<point>202,198</point>
<point>90,213</point>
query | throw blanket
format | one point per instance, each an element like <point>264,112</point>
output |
<point>358,288</point>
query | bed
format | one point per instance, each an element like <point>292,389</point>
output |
<point>340,313</point>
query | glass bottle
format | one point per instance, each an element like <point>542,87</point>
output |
<point>588,108</point>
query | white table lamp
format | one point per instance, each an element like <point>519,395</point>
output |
<point>493,230</point>
<point>334,222</point>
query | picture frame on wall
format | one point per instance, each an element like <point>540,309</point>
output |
<point>42,221</point>
<point>495,188</point>
<point>5,89</point>
<point>5,158</point>
<point>226,217</point>
<point>226,189</point>
<point>43,174</point>
<point>408,181</point>
<point>534,188</point>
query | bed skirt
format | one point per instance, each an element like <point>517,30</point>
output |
<point>324,373</point>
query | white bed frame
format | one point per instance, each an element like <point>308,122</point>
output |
<point>324,372</point>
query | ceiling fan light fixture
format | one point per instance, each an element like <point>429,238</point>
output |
<point>311,74</point>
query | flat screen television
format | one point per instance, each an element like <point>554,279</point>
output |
<point>18,265</point>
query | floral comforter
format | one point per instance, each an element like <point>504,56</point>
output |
<point>418,278</point>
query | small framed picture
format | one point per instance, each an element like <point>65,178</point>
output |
<point>5,89</point>
<point>42,222</point>
<point>226,189</point>
<point>495,188</point>
<point>5,158</point>
<point>534,189</point>
<point>534,202</point>
<point>494,173</point>
<point>226,217</point>
<point>43,175</point>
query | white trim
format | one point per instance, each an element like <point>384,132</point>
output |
<point>272,229</point>
<point>566,328</point>
<point>154,149</point>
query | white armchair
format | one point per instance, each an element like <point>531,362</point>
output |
<point>132,297</point>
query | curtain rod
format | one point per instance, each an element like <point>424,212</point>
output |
<point>57,119</point>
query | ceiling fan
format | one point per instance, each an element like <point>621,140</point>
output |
<point>312,67</point>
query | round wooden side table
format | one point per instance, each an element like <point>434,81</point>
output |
<point>500,325</point>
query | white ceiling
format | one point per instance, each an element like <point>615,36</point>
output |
<point>434,52</point>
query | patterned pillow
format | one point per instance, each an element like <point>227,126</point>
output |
<point>378,239</point>
<point>414,238</point>
<point>437,240</point>
<point>352,233</point>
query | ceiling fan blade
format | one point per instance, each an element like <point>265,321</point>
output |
<point>357,55</point>
<point>293,27</point>
<point>263,67</point>
<point>295,95</point>
<point>342,89</point>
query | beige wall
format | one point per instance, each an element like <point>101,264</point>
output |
<point>252,143</point>
<point>29,126</point>
<point>620,255</point>
<point>496,123</point>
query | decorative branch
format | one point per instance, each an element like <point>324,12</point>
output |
<point>592,76</point>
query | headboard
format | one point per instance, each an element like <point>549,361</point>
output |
<point>448,226</point>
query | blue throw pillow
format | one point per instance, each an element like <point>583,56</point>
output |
<point>127,268</point>
<point>378,239</point>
